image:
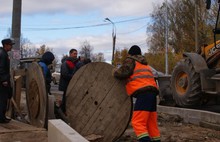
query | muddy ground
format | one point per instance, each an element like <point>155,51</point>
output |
<point>173,129</point>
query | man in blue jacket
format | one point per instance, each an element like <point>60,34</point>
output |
<point>47,59</point>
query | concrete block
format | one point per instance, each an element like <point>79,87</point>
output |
<point>59,131</point>
<point>211,117</point>
<point>191,115</point>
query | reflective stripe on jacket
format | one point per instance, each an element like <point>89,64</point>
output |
<point>141,77</point>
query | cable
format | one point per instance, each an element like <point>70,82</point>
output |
<point>135,19</point>
<point>65,28</point>
<point>80,27</point>
<point>140,43</point>
<point>134,30</point>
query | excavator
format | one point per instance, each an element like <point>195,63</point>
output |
<point>195,79</point>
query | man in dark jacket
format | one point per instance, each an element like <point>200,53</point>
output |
<point>5,86</point>
<point>69,66</point>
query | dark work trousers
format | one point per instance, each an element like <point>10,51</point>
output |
<point>3,104</point>
<point>63,104</point>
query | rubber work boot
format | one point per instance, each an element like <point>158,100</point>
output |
<point>4,121</point>
<point>7,119</point>
<point>144,139</point>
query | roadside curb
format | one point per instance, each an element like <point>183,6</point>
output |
<point>202,118</point>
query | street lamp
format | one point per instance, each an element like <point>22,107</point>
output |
<point>113,38</point>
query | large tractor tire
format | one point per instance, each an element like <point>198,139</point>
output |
<point>186,84</point>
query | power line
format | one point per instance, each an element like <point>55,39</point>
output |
<point>81,27</point>
<point>135,30</point>
<point>140,43</point>
<point>134,19</point>
<point>64,28</point>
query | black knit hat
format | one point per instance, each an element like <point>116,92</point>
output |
<point>48,57</point>
<point>134,50</point>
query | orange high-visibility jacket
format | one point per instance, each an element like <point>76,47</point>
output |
<point>141,77</point>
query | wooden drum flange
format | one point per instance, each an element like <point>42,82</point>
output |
<point>37,100</point>
<point>97,103</point>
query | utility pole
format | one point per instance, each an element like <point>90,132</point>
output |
<point>196,25</point>
<point>16,32</point>
<point>166,40</point>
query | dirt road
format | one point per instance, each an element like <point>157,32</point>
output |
<point>173,129</point>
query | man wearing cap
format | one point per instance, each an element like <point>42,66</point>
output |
<point>141,85</point>
<point>5,86</point>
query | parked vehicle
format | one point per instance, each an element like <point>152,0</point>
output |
<point>56,76</point>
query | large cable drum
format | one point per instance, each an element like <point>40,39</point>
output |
<point>36,96</point>
<point>97,103</point>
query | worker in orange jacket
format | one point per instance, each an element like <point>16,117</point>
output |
<point>141,85</point>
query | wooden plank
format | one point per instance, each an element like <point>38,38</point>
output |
<point>21,72</point>
<point>113,119</point>
<point>101,113</point>
<point>97,102</point>
<point>25,136</point>
<point>16,126</point>
<point>18,86</point>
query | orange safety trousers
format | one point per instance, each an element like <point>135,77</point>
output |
<point>145,124</point>
<point>144,119</point>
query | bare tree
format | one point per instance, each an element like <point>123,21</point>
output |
<point>98,57</point>
<point>27,48</point>
<point>43,49</point>
<point>86,50</point>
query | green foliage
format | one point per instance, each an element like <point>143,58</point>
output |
<point>157,60</point>
<point>120,56</point>
<point>181,25</point>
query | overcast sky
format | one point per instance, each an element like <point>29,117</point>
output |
<point>65,24</point>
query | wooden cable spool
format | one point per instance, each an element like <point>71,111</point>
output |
<point>37,100</point>
<point>97,103</point>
